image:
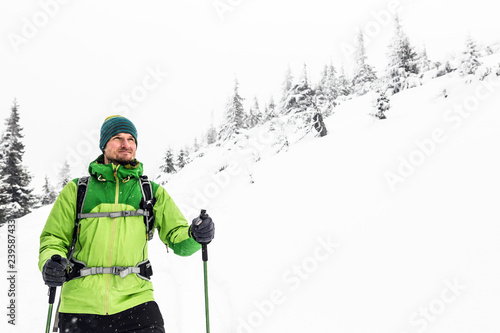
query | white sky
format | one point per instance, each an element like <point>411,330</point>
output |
<point>83,57</point>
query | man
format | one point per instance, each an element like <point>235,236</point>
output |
<point>106,286</point>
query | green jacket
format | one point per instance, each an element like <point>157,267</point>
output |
<point>107,242</point>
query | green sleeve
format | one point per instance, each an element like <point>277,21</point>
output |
<point>172,226</point>
<point>58,231</point>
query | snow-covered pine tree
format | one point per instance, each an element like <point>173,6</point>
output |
<point>299,96</point>
<point>235,115</point>
<point>188,153</point>
<point>326,90</point>
<point>49,195</point>
<point>169,165</point>
<point>286,85</point>
<point>424,64</point>
<point>364,74</point>
<point>382,105</point>
<point>470,58</point>
<point>15,177</point>
<point>270,114</point>
<point>211,135</point>
<point>402,69</point>
<point>64,175</point>
<point>181,160</point>
<point>443,69</point>
<point>255,115</point>
<point>344,85</point>
<point>270,110</point>
<point>196,145</point>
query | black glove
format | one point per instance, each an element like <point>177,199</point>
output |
<point>54,272</point>
<point>203,229</point>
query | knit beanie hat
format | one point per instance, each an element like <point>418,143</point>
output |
<point>114,125</point>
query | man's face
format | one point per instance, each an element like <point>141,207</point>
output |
<point>120,149</point>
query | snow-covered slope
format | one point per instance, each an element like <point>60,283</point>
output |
<point>381,226</point>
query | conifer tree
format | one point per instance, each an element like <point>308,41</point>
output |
<point>329,87</point>
<point>196,145</point>
<point>470,58</point>
<point>382,105</point>
<point>169,165</point>
<point>15,178</point>
<point>344,85</point>
<point>255,116</point>
<point>403,66</point>
<point>299,96</point>
<point>326,90</point>
<point>235,115</point>
<point>270,110</point>
<point>286,85</point>
<point>64,175</point>
<point>443,69</point>
<point>424,64</point>
<point>49,195</point>
<point>181,159</point>
<point>364,74</point>
<point>211,135</point>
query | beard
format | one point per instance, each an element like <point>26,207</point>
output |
<point>119,161</point>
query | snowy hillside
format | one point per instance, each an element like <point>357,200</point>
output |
<point>381,226</point>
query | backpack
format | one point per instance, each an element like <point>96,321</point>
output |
<point>77,268</point>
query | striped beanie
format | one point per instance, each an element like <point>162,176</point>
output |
<point>114,125</point>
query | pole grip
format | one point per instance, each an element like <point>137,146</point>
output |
<point>204,250</point>
<point>52,290</point>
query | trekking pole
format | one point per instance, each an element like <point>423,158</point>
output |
<point>204,255</point>
<point>52,296</point>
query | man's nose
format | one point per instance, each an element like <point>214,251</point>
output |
<point>125,144</point>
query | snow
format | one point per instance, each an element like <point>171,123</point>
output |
<point>381,226</point>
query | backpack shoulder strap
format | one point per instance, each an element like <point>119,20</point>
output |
<point>83,184</point>
<point>81,193</point>
<point>147,203</point>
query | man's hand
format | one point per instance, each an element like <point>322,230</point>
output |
<point>202,229</point>
<point>54,273</point>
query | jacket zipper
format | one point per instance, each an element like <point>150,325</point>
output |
<point>110,258</point>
